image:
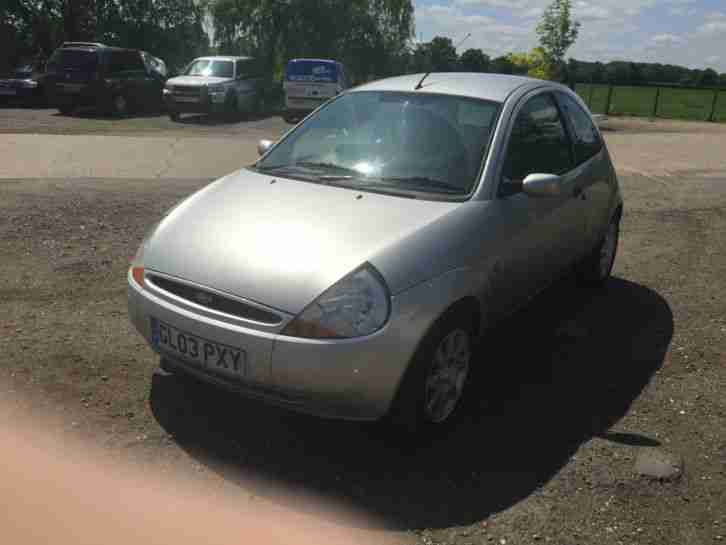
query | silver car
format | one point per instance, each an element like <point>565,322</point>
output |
<point>350,271</point>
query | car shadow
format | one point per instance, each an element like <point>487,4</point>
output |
<point>549,379</point>
<point>90,112</point>
<point>211,120</point>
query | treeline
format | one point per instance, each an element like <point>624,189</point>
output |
<point>440,55</point>
<point>372,37</point>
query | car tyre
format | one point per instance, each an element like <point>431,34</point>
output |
<point>120,105</point>
<point>231,107</point>
<point>431,391</point>
<point>596,268</point>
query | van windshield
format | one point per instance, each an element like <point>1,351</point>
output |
<point>310,70</point>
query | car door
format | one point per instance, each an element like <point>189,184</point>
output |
<point>537,237</point>
<point>247,82</point>
<point>593,169</point>
<point>145,88</point>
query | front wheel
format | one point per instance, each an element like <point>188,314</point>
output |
<point>597,267</point>
<point>231,107</point>
<point>434,383</point>
<point>119,106</point>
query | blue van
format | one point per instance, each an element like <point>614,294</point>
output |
<point>310,82</point>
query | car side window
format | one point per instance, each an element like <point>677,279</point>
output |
<point>538,143</point>
<point>247,69</point>
<point>125,61</point>
<point>587,139</point>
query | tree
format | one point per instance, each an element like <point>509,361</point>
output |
<point>443,54</point>
<point>474,60</point>
<point>502,65</point>
<point>277,30</point>
<point>557,32</point>
<point>709,78</point>
<point>533,64</point>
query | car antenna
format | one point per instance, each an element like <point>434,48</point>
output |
<point>427,74</point>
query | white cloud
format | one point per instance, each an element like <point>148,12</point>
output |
<point>667,39</point>
<point>610,30</point>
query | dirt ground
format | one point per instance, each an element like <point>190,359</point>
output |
<point>566,395</point>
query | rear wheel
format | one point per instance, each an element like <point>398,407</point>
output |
<point>434,383</point>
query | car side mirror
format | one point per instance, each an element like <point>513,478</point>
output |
<point>263,146</point>
<point>542,185</point>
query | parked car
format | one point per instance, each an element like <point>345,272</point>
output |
<point>229,85</point>
<point>310,82</point>
<point>351,270</point>
<point>25,84</point>
<point>114,80</point>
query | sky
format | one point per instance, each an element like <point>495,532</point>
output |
<point>685,32</point>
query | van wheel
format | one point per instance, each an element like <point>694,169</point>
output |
<point>434,383</point>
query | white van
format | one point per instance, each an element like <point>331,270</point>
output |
<point>310,82</point>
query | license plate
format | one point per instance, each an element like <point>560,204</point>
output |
<point>186,99</point>
<point>72,87</point>
<point>7,91</point>
<point>204,354</point>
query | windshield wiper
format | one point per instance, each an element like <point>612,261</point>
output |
<point>423,181</point>
<point>313,164</point>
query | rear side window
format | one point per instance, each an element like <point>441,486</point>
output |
<point>247,69</point>
<point>125,61</point>
<point>539,143</point>
<point>587,140</point>
<point>73,59</point>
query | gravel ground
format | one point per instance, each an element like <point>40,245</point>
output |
<point>566,398</point>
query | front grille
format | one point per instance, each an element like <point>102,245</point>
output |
<point>214,301</point>
<point>186,90</point>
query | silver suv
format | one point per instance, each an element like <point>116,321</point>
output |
<point>229,85</point>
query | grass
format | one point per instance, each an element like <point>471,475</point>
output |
<point>693,104</point>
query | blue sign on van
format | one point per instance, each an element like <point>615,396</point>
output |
<point>312,71</point>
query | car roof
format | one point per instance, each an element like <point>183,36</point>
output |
<point>328,61</point>
<point>223,58</point>
<point>494,87</point>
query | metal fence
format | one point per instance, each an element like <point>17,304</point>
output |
<point>655,101</point>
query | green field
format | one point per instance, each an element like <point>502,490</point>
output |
<point>693,104</point>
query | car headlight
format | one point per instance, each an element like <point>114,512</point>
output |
<point>356,306</point>
<point>30,83</point>
<point>215,89</point>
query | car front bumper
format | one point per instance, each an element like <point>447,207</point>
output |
<point>351,379</point>
<point>203,104</point>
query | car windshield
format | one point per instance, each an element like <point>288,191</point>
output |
<point>205,67</point>
<point>390,141</point>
